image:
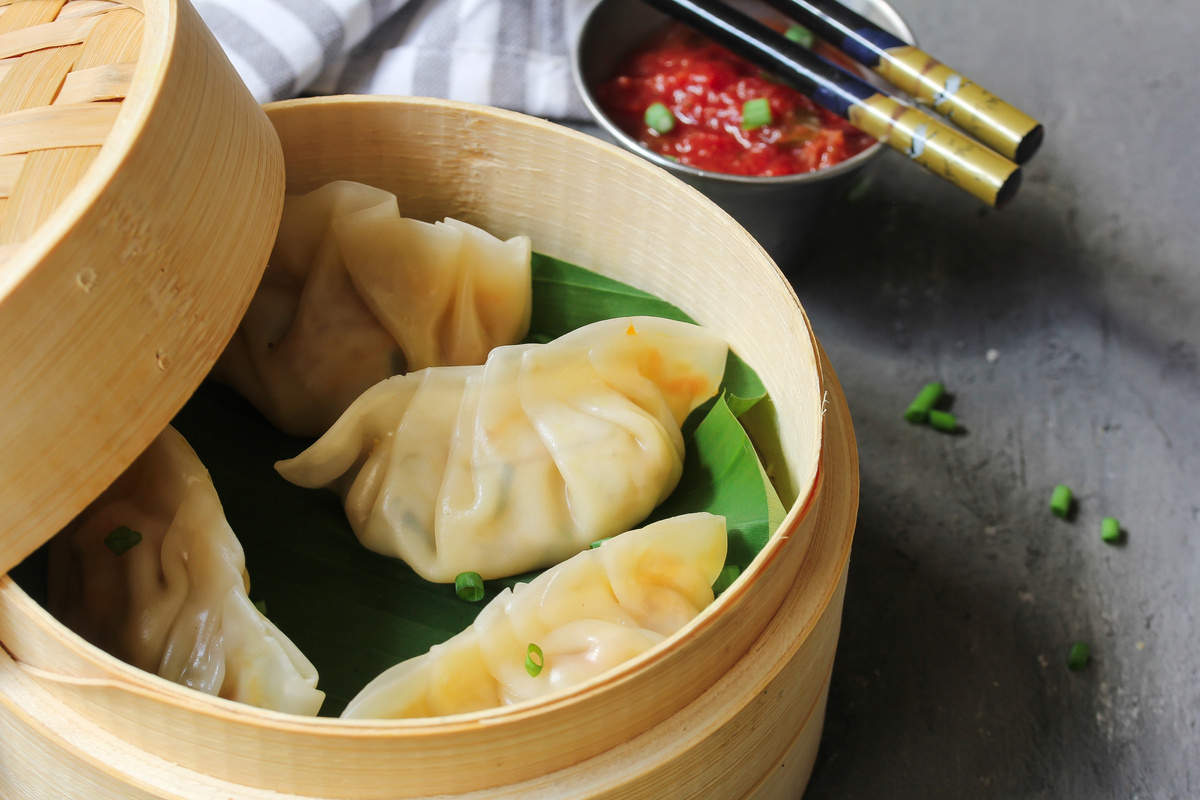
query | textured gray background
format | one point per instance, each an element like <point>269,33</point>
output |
<point>965,593</point>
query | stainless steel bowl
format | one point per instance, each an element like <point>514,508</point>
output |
<point>787,215</point>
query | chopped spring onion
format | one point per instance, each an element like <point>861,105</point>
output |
<point>599,542</point>
<point>468,586</point>
<point>800,35</point>
<point>261,605</point>
<point>942,420</point>
<point>1078,658</point>
<point>918,409</point>
<point>1060,501</point>
<point>727,576</point>
<point>660,118</point>
<point>534,660</point>
<point>122,540</point>
<point>756,113</point>
<point>1110,530</point>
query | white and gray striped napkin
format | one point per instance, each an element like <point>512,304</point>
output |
<point>510,53</point>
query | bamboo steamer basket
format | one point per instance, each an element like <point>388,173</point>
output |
<point>121,276</point>
<point>730,707</point>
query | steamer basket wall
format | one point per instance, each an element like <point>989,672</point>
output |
<point>713,712</point>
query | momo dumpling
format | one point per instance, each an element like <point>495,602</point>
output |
<point>448,292</point>
<point>525,460</point>
<point>353,293</point>
<point>587,615</point>
<point>175,602</point>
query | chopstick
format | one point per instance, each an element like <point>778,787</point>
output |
<point>1006,129</point>
<point>959,159</point>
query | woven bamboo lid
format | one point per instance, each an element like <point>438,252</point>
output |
<point>125,138</point>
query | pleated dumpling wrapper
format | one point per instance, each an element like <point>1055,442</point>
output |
<point>354,293</point>
<point>174,602</point>
<point>524,461</point>
<point>587,615</point>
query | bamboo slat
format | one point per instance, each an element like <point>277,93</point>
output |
<point>15,42</point>
<point>36,78</point>
<point>29,14</point>
<point>105,82</point>
<point>63,148</point>
<point>116,39</point>
<point>72,56</point>
<point>10,168</point>
<point>56,127</point>
<point>44,182</point>
<point>86,8</point>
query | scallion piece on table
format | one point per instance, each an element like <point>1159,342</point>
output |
<point>918,409</point>
<point>1060,501</point>
<point>122,539</point>
<point>1078,658</point>
<point>756,113</point>
<point>261,605</point>
<point>942,420</point>
<point>1110,529</point>
<point>534,660</point>
<point>859,188</point>
<point>660,118</point>
<point>727,576</point>
<point>800,35</point>
<point>468,586</point>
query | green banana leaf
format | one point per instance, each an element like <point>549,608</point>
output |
<point>566,297</point>
<point>355,613</point>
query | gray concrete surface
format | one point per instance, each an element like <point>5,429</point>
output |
<point>965,593</point>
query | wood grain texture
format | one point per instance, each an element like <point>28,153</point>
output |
<point>110,309</point>
<point>15,42</point>
<point>35,79</point>
<point>116,39</point>
<point>56,127</point>
<point>46,177</point>
<point>593,204</point>
<point>29,14</point>
<point>86,8</point>
<point>105,82</point>
<point>10,169</point>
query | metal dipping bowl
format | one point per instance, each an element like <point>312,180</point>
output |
<point>788,215</point>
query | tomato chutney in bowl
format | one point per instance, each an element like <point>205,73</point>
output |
<point>775,161</point>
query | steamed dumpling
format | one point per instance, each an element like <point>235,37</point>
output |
<point>175,603</point>
<point>354,294</point>
<point>447,292</point>
<point>588,615</point>
<point>524,461</point>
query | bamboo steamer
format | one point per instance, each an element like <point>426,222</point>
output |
<point>120,128</point>
<point>731,707</point>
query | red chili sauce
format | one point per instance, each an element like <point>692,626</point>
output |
<point>704,85</point>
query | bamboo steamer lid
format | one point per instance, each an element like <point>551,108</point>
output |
<point>125,139</point>
<point>747,678</point>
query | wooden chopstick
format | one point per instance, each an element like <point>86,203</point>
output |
<point>959,159</point>
<point>1005,128</point>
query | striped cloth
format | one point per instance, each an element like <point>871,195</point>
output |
<point>510,53</point>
